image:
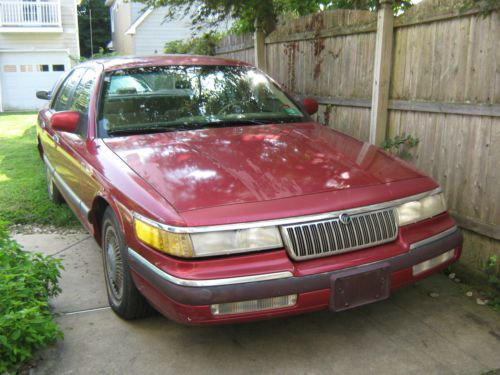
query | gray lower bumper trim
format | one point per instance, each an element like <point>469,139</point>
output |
<point>203,283</point>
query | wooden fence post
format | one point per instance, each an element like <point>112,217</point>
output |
<point>259,40</point>
<point>382,73</point>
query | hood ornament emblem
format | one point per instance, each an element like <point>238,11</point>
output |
<point>344,218</point>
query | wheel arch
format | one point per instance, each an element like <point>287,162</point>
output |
<point>99,206</point>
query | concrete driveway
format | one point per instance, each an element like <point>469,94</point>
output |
<point>411,333</point>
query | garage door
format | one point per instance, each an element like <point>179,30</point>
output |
<point>23,73</point>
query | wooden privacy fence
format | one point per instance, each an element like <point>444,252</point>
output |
<point>444,90</point>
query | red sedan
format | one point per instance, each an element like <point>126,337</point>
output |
<point>216,198</point>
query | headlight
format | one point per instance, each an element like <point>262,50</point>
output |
<point>236,241</point>
<point>207,243</point>
<point>427,207</point>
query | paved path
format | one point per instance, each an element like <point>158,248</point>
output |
<point>411,333</point>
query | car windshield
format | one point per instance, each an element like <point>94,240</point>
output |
<point>176,98</point>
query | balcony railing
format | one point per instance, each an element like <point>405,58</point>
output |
<point>35,13</point>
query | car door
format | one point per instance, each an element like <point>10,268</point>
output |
<point>49,139</point>
<point>74,168</point>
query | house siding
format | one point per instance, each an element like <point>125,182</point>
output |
<point>66,40</point>
<point>154,32</point>
<point>136,10</point>
<point>122,43</point>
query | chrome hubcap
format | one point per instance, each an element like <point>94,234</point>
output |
<point>114,264</point>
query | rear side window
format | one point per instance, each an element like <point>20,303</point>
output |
<point>63,99</point>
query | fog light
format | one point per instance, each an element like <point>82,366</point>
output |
<point>254,305</point>
<point>433,262</point>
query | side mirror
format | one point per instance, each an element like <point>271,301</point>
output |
<point>310,105</point>
<point>44,95</point>
<point>67,121</point>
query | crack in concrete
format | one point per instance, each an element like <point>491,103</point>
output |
<point>85,310</point>
<point>70,246</point>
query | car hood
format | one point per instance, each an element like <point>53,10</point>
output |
<point>222,166</point>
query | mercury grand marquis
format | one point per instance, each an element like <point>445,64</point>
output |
<point>217,199</point>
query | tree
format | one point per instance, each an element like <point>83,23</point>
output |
<point>260,13</point>
<point>101,31</point>
<point>205,44</point>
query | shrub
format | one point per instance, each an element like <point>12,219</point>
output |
<point>102,54</point>
<point>400,145</point>
<point>493,294</point>
<point>205,44</point>
<point>27,280</point>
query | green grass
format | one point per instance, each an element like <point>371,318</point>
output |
<point>23,189</point>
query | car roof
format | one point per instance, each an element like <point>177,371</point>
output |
<point>124,62</point>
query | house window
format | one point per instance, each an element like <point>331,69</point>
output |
<point>9,68</point>
<point>58,68</point>
<point>43,68</point>
<point>26,68</point>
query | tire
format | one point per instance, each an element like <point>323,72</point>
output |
<point>52,190</point>
<point>124,298</point>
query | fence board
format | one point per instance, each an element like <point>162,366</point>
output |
<point>445,90</point>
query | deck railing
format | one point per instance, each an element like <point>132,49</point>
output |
<point>35,13</point>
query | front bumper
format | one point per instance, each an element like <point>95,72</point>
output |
<point>188,301</point>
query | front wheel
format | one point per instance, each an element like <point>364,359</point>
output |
<point>123,296</point>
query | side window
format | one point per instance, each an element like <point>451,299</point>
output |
<point>81,99</point>
<point>63,100</point>
<point>81,96</point>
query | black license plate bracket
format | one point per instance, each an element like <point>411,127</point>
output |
<point>360,286</point>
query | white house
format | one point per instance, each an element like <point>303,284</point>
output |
<point>137,30</point>
<point>38,42</point>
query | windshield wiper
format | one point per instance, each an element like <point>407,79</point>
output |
<point>151,129</point>
<point>229,123</point>
<point>200,125</point>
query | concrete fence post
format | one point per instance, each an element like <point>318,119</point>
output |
<point>382,73</point>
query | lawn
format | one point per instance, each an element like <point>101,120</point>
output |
<point>23,194</point>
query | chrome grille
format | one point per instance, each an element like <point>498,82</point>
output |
<point>329,237</point>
